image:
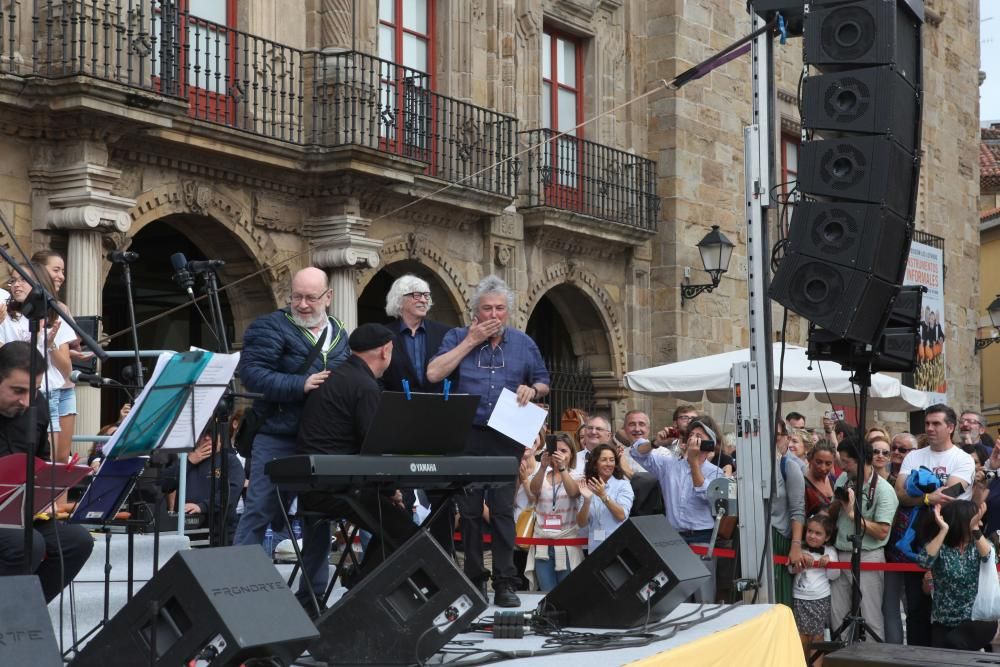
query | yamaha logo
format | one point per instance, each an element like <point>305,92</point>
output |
<point>423,467</point>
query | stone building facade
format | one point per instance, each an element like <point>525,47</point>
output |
<point>372,139</point>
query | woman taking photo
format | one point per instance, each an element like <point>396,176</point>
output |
<point>607,496</point>
<point>953,557</point>
<point>556,493</point>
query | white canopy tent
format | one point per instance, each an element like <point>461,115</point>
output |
<point>710,377</point>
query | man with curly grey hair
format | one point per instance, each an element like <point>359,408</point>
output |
<point>490,357</point>
<point>416,338</point>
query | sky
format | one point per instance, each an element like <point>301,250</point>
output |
<point>989,39</point>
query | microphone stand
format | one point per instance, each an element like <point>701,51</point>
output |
<point>217,532</point>
<point>127,277</point>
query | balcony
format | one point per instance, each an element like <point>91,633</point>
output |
<point>595,182</point>
<point>147,52</point>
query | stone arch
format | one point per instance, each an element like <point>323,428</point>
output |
<point>415,247</point>
<point>601,306</point>
<point>185,205</point>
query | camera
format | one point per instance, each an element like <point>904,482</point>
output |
<point>708,445</point>
<point>840,493</point>
<point>550,444</point>
<point>990,475</point>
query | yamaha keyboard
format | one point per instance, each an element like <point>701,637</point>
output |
<point>333,472</point>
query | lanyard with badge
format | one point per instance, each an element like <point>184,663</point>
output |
<point>551,520</point>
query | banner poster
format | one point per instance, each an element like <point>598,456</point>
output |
<point>925,266</point>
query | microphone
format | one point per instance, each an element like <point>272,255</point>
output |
<point>182,276</point>
<point>122,256</point>
<point>78,377</point>
<point>196,266</point>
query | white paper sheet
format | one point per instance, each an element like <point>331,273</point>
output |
<point>517,422</point>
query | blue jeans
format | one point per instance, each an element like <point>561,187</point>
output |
<point>891,598</point>
<point>546,573</point>
<point>261,509</point>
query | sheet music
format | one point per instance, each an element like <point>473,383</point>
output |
<point>161,417</point>
<point>520,423</point>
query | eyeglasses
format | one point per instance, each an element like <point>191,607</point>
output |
<point>900,448</point>
<point>685,418</point>
<point>308,298</point>
<point>417,296</point>
<point>15,280</point>
<point>971,421</point>
<point>487,357</point>
<point>880,452</point>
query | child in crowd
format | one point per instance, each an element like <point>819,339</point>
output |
<point>811,588</point>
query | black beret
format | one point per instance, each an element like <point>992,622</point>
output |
<point>368,337</point>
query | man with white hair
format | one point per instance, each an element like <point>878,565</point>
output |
<point>416,338</point>
<point>276,346</point>
<point>490,357</point>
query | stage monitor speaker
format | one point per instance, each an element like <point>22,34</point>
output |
<point>874,170</point>
<point>865,237</point>
<point>640,573</point>
<point>26,636</point>
<point>842,35</point>
<point>875,100</point>
<point>226,604</point>
<point>848,303</point>
<point>403,612</point>
<point>871,654</point>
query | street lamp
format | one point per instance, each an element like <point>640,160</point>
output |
<point>994,311</point>
<point>716,251</point>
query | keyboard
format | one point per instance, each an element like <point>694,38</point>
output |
<point>336,472</point>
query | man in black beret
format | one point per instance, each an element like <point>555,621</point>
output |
<point>335,420</point>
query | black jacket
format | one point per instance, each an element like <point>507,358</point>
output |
<point>402,366</point>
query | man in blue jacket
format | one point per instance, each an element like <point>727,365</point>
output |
<point>275,346</point>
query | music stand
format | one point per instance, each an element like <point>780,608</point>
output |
<point>50,481</point>
<point>444,421</point>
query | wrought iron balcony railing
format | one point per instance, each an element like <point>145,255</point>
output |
<point>585,177</point>
<point>243,81</point>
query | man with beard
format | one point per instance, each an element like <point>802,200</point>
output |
<point>276,346</point>
<point>59,550</point>
<point>972,433</point>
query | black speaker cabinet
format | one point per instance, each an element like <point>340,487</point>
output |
<point>874,100</point>
<point>403,612</point>
<point>846,302</point>
<point>641,571</point>
<point>874,170</point>
<point>865,237</point>
<point>26,636</point>
<point>894,655</point>
<point>866,32</point>
<point>229,602</point>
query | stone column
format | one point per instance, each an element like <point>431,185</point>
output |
<point>343,248</point>
<point>78,199</point>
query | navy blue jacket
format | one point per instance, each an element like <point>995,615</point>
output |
<point>274,348</point>
<point>401,365</point>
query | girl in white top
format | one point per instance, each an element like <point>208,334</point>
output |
<point>811,587</point>
<point>555,491</point>
<point>56,336</point>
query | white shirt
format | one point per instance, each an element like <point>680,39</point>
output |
<point>952,461</point>
<point>12,330</point>
<point>814,583</point>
